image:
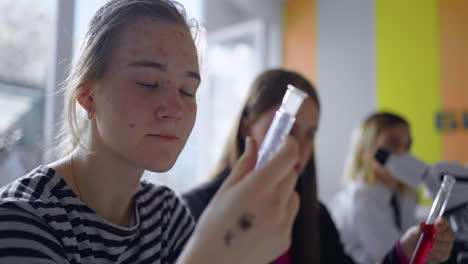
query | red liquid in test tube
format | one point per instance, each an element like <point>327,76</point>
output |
<point>438,206</point>
<point>424,244</point>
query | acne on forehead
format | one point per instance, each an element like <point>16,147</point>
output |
<point>140,38</point>
<point>142,30</point>
<point>143,26</point>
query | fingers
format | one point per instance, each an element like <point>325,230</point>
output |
<point>292,208</point>
<point>421,226</point>
<point>441,224</point>
<point>281,164</point>
<point>274,171</point>
<point>244,165</point>
<point>443,242</point>
<point>443,231</point>
<point>448,235</point>
<point>439,252</point>
<point>441,248</point>
<point>286,188</point>
<point>410,238</point>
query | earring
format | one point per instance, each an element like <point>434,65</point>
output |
<point>90,113</point>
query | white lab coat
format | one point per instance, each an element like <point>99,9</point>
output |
<point>364,217</point>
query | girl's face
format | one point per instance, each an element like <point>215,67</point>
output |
<point>303,130</point>
<point>395,139</point>
<point>145,104</point>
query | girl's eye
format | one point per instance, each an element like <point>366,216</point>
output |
<point>185,93</point>
<point>393,147</point>
<point>149,85</point>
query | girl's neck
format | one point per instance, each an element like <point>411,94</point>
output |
<point>103,181</point>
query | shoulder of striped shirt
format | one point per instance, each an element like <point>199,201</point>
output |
<point>19,217</point>
<point>26,238</point>
<point>23,194</point>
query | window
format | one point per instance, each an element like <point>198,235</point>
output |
<point>25,42</point>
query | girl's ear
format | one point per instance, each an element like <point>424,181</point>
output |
<point>84,98</point>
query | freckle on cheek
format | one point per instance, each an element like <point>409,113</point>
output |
<point>132,125</point>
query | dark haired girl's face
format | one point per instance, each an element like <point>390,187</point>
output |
<point>145,103</point>
<point>304,129</point>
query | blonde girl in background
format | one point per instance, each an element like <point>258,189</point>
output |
<point>375,208</point>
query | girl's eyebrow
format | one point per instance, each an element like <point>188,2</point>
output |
<point>161,67</point>
<point>148,64</point>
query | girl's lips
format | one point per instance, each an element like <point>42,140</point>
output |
<point>164,137</point>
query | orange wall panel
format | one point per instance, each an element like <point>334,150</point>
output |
<point>454,75</point>
<point>299,37</point>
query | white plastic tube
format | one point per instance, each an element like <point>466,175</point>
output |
<point>438,206</point>
<point>281,125</point>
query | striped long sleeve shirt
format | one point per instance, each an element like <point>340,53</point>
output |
<point>43,221</point>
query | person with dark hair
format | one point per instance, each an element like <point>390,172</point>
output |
<point>315,238</point>
<point>375,208</point>
<point>262,102</point>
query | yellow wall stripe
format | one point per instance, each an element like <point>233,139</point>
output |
<point>408,77</point>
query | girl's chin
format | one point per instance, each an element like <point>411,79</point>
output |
<point>158,165</point>
<point>160,168</point>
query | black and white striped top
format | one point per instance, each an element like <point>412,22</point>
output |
<point>43,221</point>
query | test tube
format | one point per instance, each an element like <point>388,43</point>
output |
<point>281,125</point>
<point>437,209</point>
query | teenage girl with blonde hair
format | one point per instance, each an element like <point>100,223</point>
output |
<point>130,107</point>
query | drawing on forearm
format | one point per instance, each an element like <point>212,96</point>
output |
<point>246,221</point>
<point>228,237</point>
